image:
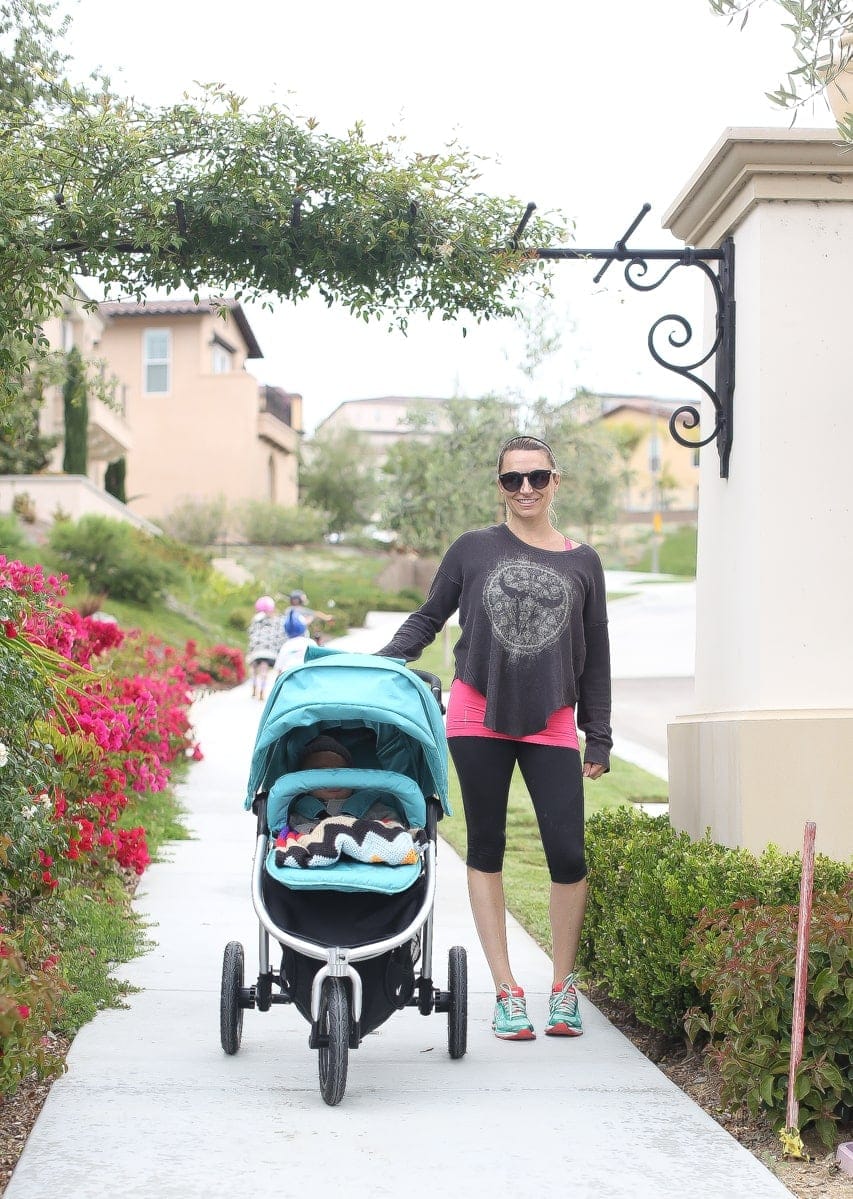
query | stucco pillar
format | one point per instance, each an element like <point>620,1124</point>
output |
<point>770,743</point>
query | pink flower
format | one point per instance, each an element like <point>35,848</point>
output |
<point>23,1011</point>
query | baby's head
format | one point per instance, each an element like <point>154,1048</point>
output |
<point>325,753</point>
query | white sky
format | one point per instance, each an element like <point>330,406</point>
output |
<point>590,108</point>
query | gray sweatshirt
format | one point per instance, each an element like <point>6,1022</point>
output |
<point>534,632</point>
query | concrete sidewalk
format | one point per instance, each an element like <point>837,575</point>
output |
<point>152,1108</point>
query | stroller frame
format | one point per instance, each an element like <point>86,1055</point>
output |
<point>335,1008</point>
<point>338,960</point>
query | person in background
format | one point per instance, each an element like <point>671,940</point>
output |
<point>292,652</point>
<point>533,653</point>
<point>298,618</point>
<point>265,637</point>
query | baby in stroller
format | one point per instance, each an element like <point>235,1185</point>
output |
<point>327,822</point>
<point>327,753</point>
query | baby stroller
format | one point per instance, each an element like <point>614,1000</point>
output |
<point>356,936</point>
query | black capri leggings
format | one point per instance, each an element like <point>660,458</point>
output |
<point>554,779</point>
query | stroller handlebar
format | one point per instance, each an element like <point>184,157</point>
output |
<point>433,682</point>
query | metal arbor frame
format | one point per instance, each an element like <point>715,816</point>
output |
<point>722,349</point>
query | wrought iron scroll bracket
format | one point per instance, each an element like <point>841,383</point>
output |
<point>722,348</point>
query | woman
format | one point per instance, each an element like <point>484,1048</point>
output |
<point>533,647</point>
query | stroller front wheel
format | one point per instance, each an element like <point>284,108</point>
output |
<point>457,1006</point>
<point>230,1008</point>
<point>334,1043</point>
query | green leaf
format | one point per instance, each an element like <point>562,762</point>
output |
<point>824,985</point>
<point>765,1089</point>
<point>802,1086</point>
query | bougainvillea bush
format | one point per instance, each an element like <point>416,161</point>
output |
<point>219,665</point>
<point>90,718</point>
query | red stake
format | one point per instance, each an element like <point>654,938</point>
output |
<point>801,972</point>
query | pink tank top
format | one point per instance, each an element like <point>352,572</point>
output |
<point>466,709</point>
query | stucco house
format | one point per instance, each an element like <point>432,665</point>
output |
<point>664,476</point>
<point>384,420</point>
<point>202,425</point>
<point>109,433</point>
<point>109,436</point>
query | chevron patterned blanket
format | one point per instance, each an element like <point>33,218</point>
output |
<point>365,840</point>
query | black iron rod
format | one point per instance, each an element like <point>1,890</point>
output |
<point>522,225</point>
<point>621,242</point>
<point>686,255</point>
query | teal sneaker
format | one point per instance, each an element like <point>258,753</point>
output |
<point>510,1021</point>
<point>564,1019</point>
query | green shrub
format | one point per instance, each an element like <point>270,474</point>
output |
<point>742,960</point>
<point>239,618</point>
<point>181,558</point>
<point>75,402</point>
<point>23,505</point>
<point>407,598</point>
<point>648,886</point>
<point>12,537</point>
<point>262,523</point>
<point>110,557</point>
<point>196,522</point>
<point>115,479</point>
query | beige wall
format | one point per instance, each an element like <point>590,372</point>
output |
<point>773,611</point>
<point>201,439</point>
<point>72,495</point>
<point>381,416</point>
<point>109,435</point>
<point>769,744</point>
<point>384,421</point>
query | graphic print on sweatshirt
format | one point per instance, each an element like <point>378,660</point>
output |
<point>528,605</point>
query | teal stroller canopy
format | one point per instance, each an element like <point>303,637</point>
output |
<point>333,692</point>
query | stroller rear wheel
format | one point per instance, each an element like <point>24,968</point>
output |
<point>230,1008</point>
<point>334,1047</point>
<point>457,1006</point>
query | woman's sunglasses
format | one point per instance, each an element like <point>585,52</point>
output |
<point>513,479</point>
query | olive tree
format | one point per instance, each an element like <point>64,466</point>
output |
<point>205,194</point>
<point>816,27</point>
<point>337,476</point>
<point>438,484</point>
<point>592,460</point>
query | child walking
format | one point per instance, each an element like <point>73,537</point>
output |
<point>265,638</point>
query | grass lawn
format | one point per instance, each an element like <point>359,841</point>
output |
<point>95,923</point>
<point>526,881</point>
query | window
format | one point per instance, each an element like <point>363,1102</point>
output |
<point>156,351</point>
<point>221,359</point>
<point>67,335</point>
<point>271,488</point>
<point>654,454</point>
